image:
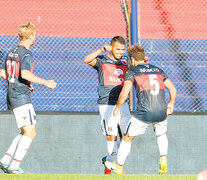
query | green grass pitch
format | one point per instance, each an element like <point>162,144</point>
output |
<point>94,177</point>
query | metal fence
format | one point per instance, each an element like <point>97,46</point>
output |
<point>172,33</point>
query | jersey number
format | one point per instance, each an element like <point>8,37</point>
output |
<point>13,68</point>
<point>154,82</point>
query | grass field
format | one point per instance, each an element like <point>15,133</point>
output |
<point>94,177</point>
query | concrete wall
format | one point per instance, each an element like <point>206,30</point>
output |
<point>73,144</point>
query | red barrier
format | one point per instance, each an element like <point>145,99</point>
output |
<point>67,18</point>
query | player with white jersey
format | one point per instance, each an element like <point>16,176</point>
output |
<point>17,70</point>
<point>150,82</point>
<point>111,70</point>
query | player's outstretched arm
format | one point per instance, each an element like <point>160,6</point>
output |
<point>172,90</point>
<point>123,96</point>
<point>29,76</point>
<point>3,74</point>
<point>91,58</point>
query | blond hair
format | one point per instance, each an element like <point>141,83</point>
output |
<point>137,52</point>
<point>25,31</point>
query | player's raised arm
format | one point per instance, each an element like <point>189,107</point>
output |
<point>3,74</point>
<point>123,96</point>
<point>172,90</point>
<point>91,58</point>
<point>29,76</point>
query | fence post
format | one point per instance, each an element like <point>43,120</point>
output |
<point>134,37</point>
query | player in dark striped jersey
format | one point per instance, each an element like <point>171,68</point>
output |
<point>150,82</point>
<point>111,70</point>
<point>17,70</point>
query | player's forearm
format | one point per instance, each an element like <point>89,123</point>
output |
<point>89,58</point>
<point>29,76</point>
<point>3,74</point>
<point>121,100</point>
<point>172,90</point>
<point>173,93</point>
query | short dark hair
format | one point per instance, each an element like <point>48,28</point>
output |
<point>119,39</point>
<point>136,51</point>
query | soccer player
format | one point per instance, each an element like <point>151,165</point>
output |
<point>150,82</point>
<point>111,70</point>
<point>17,70</point>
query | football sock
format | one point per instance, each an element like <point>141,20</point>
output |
<point>112,151</point>
<point>162,142</point>
<point>123,152</point>
<point>21,151</point>
<point>10,152</point>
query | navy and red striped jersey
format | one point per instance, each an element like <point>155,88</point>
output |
<point>18,92</point>
<point>111,78</point>
<point>150,91</point>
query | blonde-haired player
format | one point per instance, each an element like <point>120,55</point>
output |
<point>17,70</point>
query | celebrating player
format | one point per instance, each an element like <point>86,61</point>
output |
<point>150,82</point>
<point>17,70</point>
<point>111,70</point>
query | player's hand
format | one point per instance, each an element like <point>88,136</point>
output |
<point>51,84</point>
<point>106,48</point>
<point>146,59</point>
<point>116,111</point>
<point>170,108</point>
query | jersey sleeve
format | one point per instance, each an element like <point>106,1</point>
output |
<point>98,63</point>
<point>129,76</point>
<point>164,75</point>
<point>26,62</point>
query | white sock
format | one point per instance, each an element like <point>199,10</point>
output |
<point>112,151</point>
<point>10,152</point>
<point>162,142</point>
<point>123,152</point>
<point>21,151</point>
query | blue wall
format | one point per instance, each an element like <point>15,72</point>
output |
<point>62,59</point>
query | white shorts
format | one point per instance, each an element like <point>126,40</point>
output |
<point>136,127</point>
<point>25,115</point>
<point>110,124</point>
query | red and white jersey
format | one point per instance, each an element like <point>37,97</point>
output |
<point>111,78</point>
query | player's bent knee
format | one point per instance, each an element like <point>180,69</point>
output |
<point>30,135</point>
<point>111,138</point>
<point>127,138</point>
<point>29,132</point>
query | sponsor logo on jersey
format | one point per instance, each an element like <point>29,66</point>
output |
<point>113,75</point>
<point>118,72</point>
